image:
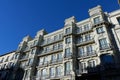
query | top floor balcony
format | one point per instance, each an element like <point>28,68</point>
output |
<point>51,41</point>
<point>83,31</point>
<point>101,22</point>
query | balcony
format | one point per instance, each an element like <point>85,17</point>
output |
<point>43,64</point>
<point>68,33</point>
<point>107,69</point>
<point>23,57</point>
<point>57,61</point>
<point>51,41</point>
<point>101,22</point>
<point>67,73</point>
<point>87,70</point>
<point>44,77</point>
<point>105,47</point>
<point>35,45</point>
<point>87,54</point>
<point>84,31</point>
<point>50,51</point>
<point>85,42</point>
<point>68,56</point>
<point>26,49</point>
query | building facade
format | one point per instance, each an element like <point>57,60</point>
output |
<point>84,50</point>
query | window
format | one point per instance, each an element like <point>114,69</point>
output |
<point>96,20</point>
<point>44,73</point>
<point>81,51</point>
<point>30,62</point>
<point>7,58</point>
<point>35,42</point>
<point>48,40</point>
<point>12,57</point>
<point>100,30</point>
<point>19,48</point>
<point>58,70</point>
<point>1,60</point>
<point>80,39</point>
<point>91,63</point>
<point>40,61</point>
<point>60,36</point>
<point>38,73</point>
<point>67,67</point>
<point>33,51</point>
<point>53,58</point>
<point>83,67</point>
<point>46,49</point>
<point>55,47</point>
<point>118,19</point>
<point>87,37</point>
<point>16,56</point>
<point>52,72</point>
<point>56,38</point>
<point>67,31</point>
<point>89,49</point>
<point>103,43</point>
<point>60,45</point>
<point>45,59</point>
<point>79,29</point>
<point>86,27</point>
<point>27,74</point>
<point>67,52</point>
<point>59,56</point>
<point>68,40</point>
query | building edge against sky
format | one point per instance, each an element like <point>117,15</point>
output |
<point>80,50</point>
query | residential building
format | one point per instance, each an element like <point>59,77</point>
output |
<point>84,50</point>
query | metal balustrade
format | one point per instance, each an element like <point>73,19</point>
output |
<point>105,46</point>
<point>87,54</point>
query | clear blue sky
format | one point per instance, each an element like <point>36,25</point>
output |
<point>19,18</point>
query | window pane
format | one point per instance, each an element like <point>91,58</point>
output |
<point>100,30</point>
<point>96,20</point>
<point>67,52</point>
<point>67,30</point>
<point>68,40</point>
<point>81,51</point>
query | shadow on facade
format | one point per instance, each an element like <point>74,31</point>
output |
<point>11,73</point>
<point>107,70</point>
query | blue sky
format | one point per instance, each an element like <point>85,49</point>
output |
<point>19,18</point>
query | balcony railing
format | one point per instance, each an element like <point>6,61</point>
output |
<point>43,64</point>
<point>84,42</point>
<point>84,30</point>
<point>87,54</point>
<point>68,55</point>
<point>67,73</point>
<point>103,68</point>
<point>24,57</point>
<point>51,41</point>
<point>105,46</point>
<point>100,22</point>
<point>52,50</point>
<point>35,45</point>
